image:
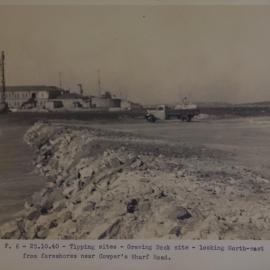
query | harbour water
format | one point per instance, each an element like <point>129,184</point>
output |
<point>17,180</point>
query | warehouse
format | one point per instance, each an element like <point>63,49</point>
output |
<point>30,96</point>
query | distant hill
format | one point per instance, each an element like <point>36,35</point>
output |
<point>217,104</point>
<point>213,104</point>
<point>226,104</point>
<point>255,104</point>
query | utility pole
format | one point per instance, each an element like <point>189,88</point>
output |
<point>126,94</point>
<point>3,94</point>
<point>81,88</point>
<point>120,93</point>
<point>99,82</point>
<point>60,80</point>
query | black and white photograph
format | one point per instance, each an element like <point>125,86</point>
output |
<point>135,122</point>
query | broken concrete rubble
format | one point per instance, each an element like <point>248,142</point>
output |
<point>118,185</point>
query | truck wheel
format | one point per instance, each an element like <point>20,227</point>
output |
<point>184,118</point>
<point>189,118</point>
<point>151,118</point>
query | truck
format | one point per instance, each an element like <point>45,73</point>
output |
<point>183,112</point>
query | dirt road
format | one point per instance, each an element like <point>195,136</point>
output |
<point>247,138</point>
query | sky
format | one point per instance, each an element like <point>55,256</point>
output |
<point>150,54</point>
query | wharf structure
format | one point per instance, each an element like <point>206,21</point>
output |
<point>52,98</point>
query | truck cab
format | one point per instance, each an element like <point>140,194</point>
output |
<point>158,112</point>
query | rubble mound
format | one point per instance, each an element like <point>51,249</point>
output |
<point>112,185</point>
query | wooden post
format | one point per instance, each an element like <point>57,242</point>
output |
<point>3,96</point>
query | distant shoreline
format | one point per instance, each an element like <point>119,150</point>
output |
<point>29,118</point>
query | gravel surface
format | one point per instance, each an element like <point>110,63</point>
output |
<point>118,181</point>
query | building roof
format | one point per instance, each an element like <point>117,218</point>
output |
<point>34,88</point>
<point>70,96</point>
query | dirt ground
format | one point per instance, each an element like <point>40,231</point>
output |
<point>247,138</point>
<point>208,179</point>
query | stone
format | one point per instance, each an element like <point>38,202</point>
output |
<point>182,213</point>
<point>42,232</point>
<point>115,162</point>
<point>176,231</point>
<point>30,229</point>
<point>59,205</point>
<point>96,197</point>
<point>106,230</point>
<point>27,205</point>
<point>50,185</point>
<point>10,230</point>
<point>64,216</point>
<point>59,180</point>
<point>68,191</point>
<point>162,195</point>
<point>20,225</point>
<point>32,213</point>
<point>46,203</point>
<point>217,190</point>
<point>89,207</point>
<point>132,206</point>
<point>86,172</point>
<point>138,163</point>
<point>181,173</point>
<point>45,221</point>
<point>53,224</point>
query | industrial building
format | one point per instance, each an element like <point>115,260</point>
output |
<point>69,101</point>
<point>51,98</point>
<point>105,101</point>
<point>31,96</point>
<point>127,105</point>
